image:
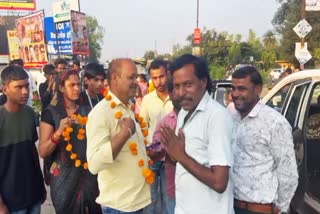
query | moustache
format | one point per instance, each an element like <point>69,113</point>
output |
<point>185,99</point>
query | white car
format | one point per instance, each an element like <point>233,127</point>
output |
<point>297,97</point>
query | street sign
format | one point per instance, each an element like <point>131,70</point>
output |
<point>302,28</point>
<point>197,36</point>
<point>61,9</point>
<point>302,54</point>
<point>312,5</point>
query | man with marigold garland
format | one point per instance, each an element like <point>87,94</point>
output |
<point>116,150</point>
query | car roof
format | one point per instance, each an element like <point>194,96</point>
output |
<point>313,74</point>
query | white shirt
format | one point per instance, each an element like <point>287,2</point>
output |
<point>153,109</point>
<point>265,169</point>
<point>208,134</point>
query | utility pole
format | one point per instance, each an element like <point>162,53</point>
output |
<point>197,13</point>
<point>303,15</point>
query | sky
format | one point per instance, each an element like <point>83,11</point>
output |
<point>134,26</point>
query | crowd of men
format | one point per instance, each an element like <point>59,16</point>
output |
<point>110,146</point>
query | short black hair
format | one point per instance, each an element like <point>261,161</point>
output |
<point>93,69</point>
<point>13,73</point>
<point>76,62</point>
<point>156,64</point>
<point>201,68</point>
<point>48,69</point>
<point>59,61</point>
<point>251,71</point>
<point>18,62</point>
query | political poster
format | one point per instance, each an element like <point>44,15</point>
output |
<point>30,32</point>
<point>17,5</point>
<point>79,33</point>
<point>6,23</point>
<point>58,37</point>
<point>13,44</point>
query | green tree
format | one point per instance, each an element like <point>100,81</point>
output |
<point>96,35</point>
<point>286,17</point>
<point>269,54</point>
<point>149,55</point>
<point>234,54</point>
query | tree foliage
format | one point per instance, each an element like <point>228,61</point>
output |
<point>284,20</point>
<point>96,35</point>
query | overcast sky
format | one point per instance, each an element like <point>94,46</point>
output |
<point>133,26</point>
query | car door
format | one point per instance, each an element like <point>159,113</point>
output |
<point>290,101</point>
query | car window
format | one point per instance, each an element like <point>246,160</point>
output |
<point>316,95</point>
<point>278,99</point>
<point>294,103</point>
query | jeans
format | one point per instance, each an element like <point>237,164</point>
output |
<point>34,209</point>
<point>158,191</point>
<point>108,210</point>
<point>170,203</point>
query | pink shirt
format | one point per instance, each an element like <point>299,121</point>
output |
<point>169,120</point>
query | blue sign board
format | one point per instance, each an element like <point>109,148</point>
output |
<point>59,38</point>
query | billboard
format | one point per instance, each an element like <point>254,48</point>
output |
<point>30,32</point>
<point>61,9</point>
<point>13,44</point>
<point>6,23</point>
<point>79,33</point>
<point>18,4</point>
<point>58,36</point>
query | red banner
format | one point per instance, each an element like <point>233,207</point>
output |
<point>197,36</point>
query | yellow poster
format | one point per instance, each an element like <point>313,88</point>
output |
<point>13,44</point>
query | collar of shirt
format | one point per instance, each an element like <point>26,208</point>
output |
<point>118,102</point>
<point>155,94</point>
<point>252,114</point>
<point>202,106</point>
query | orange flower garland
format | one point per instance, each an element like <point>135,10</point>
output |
<point>80,136</point>
<point>148,174</point>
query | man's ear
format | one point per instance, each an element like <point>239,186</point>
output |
<point>258,90</point>
<point>4,89</point>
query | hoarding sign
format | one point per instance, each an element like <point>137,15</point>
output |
<point>17,5</point>
<point>30,32</point>
<point>79,33</point>
<point>61,9</point>
<point>58,36</point>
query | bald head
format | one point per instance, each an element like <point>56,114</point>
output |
<point>122,77</point>
<point>116,67</point>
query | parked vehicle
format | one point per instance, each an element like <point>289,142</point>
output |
<point>276,73</point>
<point>297,97</point>
<point>220,89</point>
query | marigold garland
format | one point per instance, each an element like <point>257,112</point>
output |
<point>80,136</point>
<point>148,174</point>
